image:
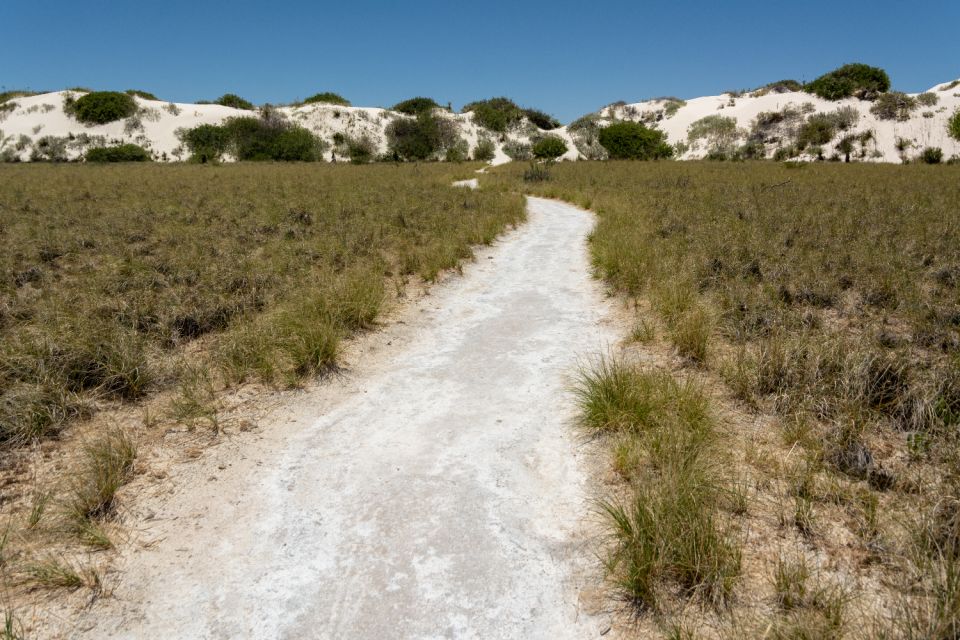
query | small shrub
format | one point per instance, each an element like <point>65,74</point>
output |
<point>549,148</point>
<point>851,80</point>
<point>415,106</point>
<point>206,142</point>
<point>458,152</point>
<point>101,107</point>
<point>120,153</point>
<point>894,105</point>
<point>496,114</point>
<point>634,141</point>
<point>518,150</point>
<point>541,120</point>
<point>819,129</point>
<point>327,97</point>
<point>360,150</point>
<point>953,125</point>
<point>146,95</point>
<point>235,101</point>
<point>720,132</point>
<point>783,86</point>
<point>932,155</point>
<point>421,137</point>
<point>928,99</point>
<point>485,150</point>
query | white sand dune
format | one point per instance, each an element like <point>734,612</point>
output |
<point>35,118</point>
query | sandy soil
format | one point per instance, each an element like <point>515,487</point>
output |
<point>437,489</point>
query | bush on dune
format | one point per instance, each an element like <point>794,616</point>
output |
<point>327,97</point>
<point>100,107</point>
<point>496,114</point>
<point>549,148</point>
<point>541,120</point>
<point>634,141</point>
<point>146,95</point>
<point>235,101</point>
<point>851,80</point>
<point>415,106</point>
<point>953,125</point>
<point>422,137</point>
<point>894,105</point>
<point>268,137</point>
<point>485,150</point>
<point>120,153</point>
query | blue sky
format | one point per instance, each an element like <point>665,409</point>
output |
<point>564,57</point>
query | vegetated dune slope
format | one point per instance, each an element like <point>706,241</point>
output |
<point>24,126</point>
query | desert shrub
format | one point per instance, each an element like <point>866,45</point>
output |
<point>541,120</point>
<point>101,107</point>
<point>485,150</point>
<point>120,153</point>
<point>146,95</point>
<point>720,132</point>
<point>928,99</point>
<point>459,151</point>
<point>51,148</point>
<point>932,155</point>
<point>496,114</point>
<point>360,150</point>
<point>327,97</point>
<point>634,141</point>
<point>859,80</point>
<point>953,125</point>
<point>421,137</point>
<point>518,150</point>
<point>672,105</point>
<point>783,86</point>
<point>549,148</point>
<point>206,142</point>
<point>894,105</point>
<point>819,129</point>
<point>417,105</point>
<point>249,138</point>
<point>235,101</point>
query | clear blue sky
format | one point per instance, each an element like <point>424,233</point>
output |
<point>565,57</point>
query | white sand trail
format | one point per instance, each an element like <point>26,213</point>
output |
<point>438,492</point>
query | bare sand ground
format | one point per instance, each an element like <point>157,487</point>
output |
<point>436,489</point>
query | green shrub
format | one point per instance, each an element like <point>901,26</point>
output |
<point>720,132</point>
<point>783,86</point>
<point>496,114</point>
<point>485,150</point>
<point>146,95</point>
<point>819,129</point>
<point>10,95</point>
<point>120,153</point>
<point>101,107</point>
<point>634,141</point>
<point>517,150</point>
<point>549,148</point>
<point>932,155</point>
<point>250,138</point>
<point>327,97</point>
<point>417,105</point>
<point>541,120</point>
<point>421,137</point>
<point>953,125</point>
<point>235,101</point>
<point>928,99</point>
<point>206,142</point>
<point>458,152</point>
<point>894,105</point>
<point>860,80</point>
<point>360,150</point>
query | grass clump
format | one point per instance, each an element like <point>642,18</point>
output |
<point>100,107</point>
<point>633,141</point>
<point>666,534</point>
<point>931,155</point>
<point>119,153</point>
<point>851,80</point>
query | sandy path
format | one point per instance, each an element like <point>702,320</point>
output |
<point>436,491</point>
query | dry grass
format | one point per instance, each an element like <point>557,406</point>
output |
<point>157,291</point>
<point>823,303</point>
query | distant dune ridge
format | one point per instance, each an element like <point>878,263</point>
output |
<point>767,123</point>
